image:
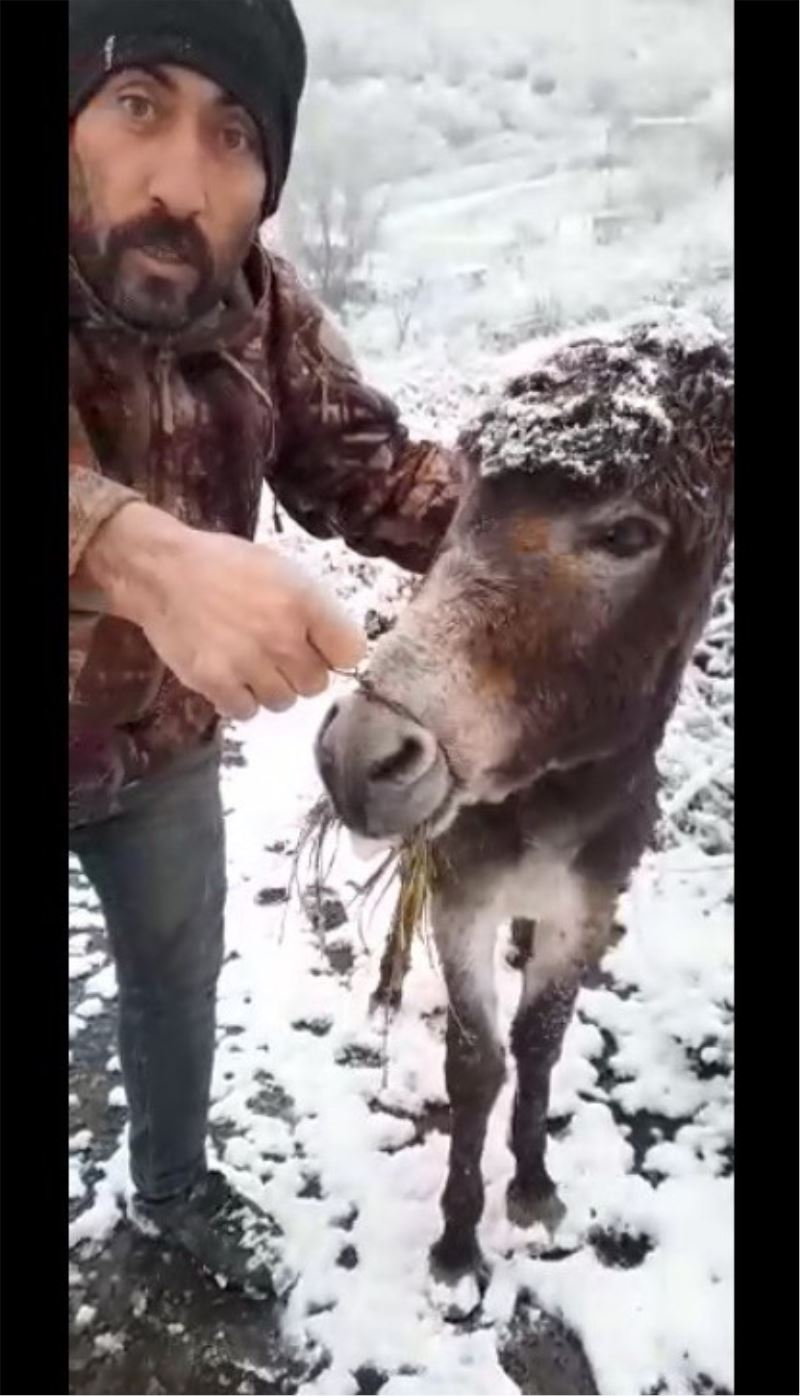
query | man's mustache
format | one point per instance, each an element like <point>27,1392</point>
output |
<point>162,234</point>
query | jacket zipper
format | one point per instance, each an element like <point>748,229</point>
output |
<point>164,391</point>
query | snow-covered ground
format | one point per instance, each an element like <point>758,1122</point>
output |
<point>536,166</point>
<point>333,1123</point>
<point>641,1110</point>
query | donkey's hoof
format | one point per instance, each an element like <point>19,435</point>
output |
<point>456,1302</point>
<point>525,1207</point>
<point>458,1282</point>
<point>450,1261</point>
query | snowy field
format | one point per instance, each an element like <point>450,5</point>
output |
<point>336,1124</point>
<point>641,1111</point>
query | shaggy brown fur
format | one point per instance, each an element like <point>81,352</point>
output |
<point>516,710</point>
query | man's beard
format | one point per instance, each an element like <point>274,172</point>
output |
<point>138,293</point>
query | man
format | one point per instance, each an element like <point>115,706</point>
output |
<point>200,366</point>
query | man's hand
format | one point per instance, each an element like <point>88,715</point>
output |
<point>233,620</point>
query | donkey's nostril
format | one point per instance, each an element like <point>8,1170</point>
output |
<point>401,764</point>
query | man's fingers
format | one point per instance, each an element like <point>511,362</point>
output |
<point>272,690</point>
<point>305,671</point>
<point>340,642</point>
<point>248,629</point>
<point>234,701</point>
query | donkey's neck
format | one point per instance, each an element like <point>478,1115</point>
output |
<point>590,791</point>
<point>565,809</point>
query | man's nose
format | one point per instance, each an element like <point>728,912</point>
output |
<point>178,181</point>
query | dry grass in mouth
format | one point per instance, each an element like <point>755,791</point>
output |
<point>414,861</point>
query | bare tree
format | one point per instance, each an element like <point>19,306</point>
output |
<point>334,205</point>
<point>403,304</point>
<point>331,230</point>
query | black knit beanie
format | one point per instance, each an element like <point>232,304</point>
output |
<point>254,49</point>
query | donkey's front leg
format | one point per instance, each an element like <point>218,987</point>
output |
<point>558,955</point>
<point>474,1072</point>
<point>537,1035</point>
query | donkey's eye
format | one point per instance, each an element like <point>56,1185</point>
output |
<point>627,537</point>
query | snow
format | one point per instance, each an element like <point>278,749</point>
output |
<point>104,983</point>
<point>538,428</point>
<point>109,1342</point>
<point>356,1094</point>
<point>75,1184</point>
<point>84,1316</point>
<point>90,1008</point>
<point>98,1219</point>
<point>670,994</point>
<point>498,235</point>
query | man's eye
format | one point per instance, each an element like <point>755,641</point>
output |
<point>627,537</point>
<point>139,108</point>
<point>236,139</point>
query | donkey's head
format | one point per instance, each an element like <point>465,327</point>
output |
<point>554,625</point>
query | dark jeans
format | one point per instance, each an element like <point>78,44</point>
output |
<point>158,867</point>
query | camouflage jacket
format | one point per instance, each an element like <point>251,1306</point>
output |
<point>264,389</point>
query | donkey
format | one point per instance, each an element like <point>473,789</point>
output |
<point>514,713</point>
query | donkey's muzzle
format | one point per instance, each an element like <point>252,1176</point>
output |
<point>384,772</point>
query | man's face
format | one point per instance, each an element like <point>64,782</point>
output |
<point>166,186</point>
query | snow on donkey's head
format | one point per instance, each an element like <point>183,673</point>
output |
<point>554,626</point>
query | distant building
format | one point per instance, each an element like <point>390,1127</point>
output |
<point>613,224</point>
<point>663,141</point>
